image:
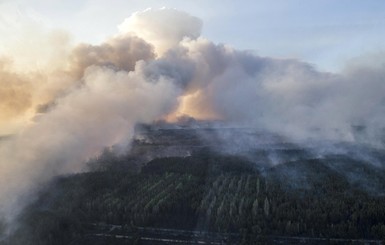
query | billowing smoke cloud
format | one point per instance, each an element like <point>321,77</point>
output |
<point>102,92</point>
<point>164,28</point>
<point>14,93</point>
<point>284,96</point>
<point>120,53</point>
<point>159,67</point>
<point>28,86</point>
<point>32,61</point>
<point>102,112</point>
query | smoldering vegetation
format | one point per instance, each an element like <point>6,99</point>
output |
<point>294,164</point>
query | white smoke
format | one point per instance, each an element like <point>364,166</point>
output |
<point>111,87</point>
<point>163,28</point>
<point>285,96</point>
<point>102,112</point>
<point>111,91</point>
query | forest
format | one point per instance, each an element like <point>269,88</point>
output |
<point>201,192</point>
<point>206,195</point>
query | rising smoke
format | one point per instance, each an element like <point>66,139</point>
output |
<point>154,70</point>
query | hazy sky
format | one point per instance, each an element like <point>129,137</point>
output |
<point>327,33</point>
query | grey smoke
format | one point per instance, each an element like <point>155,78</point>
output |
<point>120,53</point>
<point>150,71</point>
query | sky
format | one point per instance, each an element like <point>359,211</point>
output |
<point>326,33</point>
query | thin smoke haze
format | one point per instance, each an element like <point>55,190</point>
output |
<point>66,113</point>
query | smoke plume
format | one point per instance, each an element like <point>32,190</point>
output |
<point>159,67</point>
<point>164,28</point>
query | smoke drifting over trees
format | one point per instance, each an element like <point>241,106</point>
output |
<point>96,94</point>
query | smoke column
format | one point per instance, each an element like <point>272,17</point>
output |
<point>95,95</point>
